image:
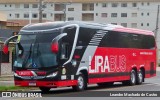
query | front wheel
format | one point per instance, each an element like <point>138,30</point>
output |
<point>81,83</point>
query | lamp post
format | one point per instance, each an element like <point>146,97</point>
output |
<point>157,23</point>
<point>40,10</point>
<point>65,8</point>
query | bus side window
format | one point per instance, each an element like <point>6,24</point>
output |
<point>64,51</point>
<point>148,42</point>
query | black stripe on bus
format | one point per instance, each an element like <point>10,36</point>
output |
<point>109,75</point>
<point>115,74</point>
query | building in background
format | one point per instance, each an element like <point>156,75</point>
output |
<point>3,20</point>
<point>129,13</point>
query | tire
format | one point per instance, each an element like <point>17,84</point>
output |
<point>133,79</point>
<point>140,77</point>
<point>81,83</point>
<point>106,84</point>
<point>44,89</point>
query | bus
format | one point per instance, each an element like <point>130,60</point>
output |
<point>75,54</point>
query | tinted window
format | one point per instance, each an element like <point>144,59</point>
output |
<point>110,39</point>
<point>148,42</point>
<point>85,36</point>
<point>71,31</point>
<point>134,40</point>
<point>127,40</point>
<point>114,39</point>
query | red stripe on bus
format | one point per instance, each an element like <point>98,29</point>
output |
<point>109,79</point>
<point>46,83</point>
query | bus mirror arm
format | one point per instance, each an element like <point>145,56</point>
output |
<point>55,44</point>
<point>6,43</point>
<point>59,37</point>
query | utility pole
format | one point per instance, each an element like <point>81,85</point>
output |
<point>40,10</point>
<point>30,17</point>
<point>156,32</point>
<point>65,8</point>
<point>64,11</point>
<point>157,23</point>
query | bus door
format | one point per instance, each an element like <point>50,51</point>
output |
<point>66,47</point>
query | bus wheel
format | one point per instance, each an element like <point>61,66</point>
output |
<point>132,80</point>
<point>140,77</point>
<point>44,89</point>
<point>81,83</point>
<point>105,84</point>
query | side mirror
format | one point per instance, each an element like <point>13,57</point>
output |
<point>55,47</point>
<point>55,44</point>
<point>5,49</point>
<point>6,43</point>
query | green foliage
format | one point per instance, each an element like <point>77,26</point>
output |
<point>11,88</point>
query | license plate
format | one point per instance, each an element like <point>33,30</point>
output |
<point>32,84</point>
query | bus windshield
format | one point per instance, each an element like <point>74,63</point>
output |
<point>34,50</point>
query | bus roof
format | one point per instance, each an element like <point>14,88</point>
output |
<point>58,24</point>
<point>132,30</point>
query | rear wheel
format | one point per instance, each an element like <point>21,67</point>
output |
<point>81,83</point>
<point>140,77</point>
<point>132,80</point>
<point>44,89</point>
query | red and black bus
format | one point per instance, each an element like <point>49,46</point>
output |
<point>58,54</point>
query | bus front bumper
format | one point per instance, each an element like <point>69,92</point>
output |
<point>52,84</point>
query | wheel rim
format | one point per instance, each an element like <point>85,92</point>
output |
<point>80,82</point>
<point>140,76</point>
<point>133,77</point>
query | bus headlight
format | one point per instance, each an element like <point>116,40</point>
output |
<point>74,63</point>
<point>15,74</point>
<point>52,75</point>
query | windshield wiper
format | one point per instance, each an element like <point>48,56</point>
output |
<point>38,49</point>
<point>29,55</point>
<point>20,48</point>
